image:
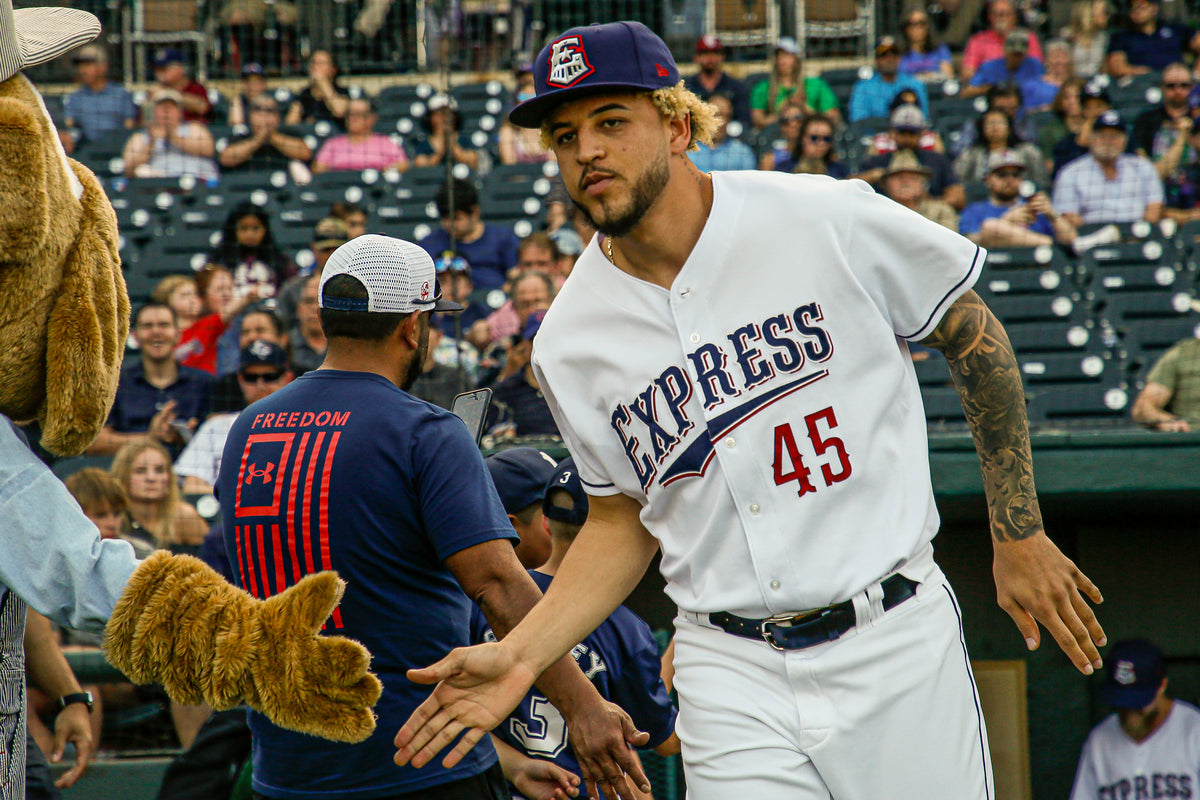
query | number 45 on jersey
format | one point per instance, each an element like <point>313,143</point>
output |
<point>789,463</point>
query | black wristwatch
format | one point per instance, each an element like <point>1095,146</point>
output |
<point>76,697</point>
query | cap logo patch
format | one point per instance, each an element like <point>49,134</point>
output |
<point>1125,674</point>
<point>425,290</point>
<point>568,62</point>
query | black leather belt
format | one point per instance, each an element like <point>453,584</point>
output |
<point>796,632</point>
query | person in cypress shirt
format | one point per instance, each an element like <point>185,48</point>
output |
<point>344,469</point>
<point>491,250</point>
<point>156,396</point>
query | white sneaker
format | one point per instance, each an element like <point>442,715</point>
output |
<point>1106,235</point>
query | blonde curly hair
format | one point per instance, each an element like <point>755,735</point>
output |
<point>672,102</point>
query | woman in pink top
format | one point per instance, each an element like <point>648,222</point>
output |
<point>358,148</point>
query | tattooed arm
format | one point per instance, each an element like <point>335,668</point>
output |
<point>1034,580</point>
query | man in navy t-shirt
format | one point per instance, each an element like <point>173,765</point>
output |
<point>343,469</point>
<point>620,657</point>
<point>491,250</point>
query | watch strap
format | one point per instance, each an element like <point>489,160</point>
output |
<point>75,697</point>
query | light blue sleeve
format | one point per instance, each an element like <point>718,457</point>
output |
<point>858,100</point>
<point>51,555</point>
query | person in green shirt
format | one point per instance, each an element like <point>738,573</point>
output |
<point>788,86</point>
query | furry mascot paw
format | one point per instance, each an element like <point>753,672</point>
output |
<point>180,624</point>
<point>64,318</point>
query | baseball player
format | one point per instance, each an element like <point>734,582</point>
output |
<point>728,364</point>
<point>620,657</point>
<point>343,468</point>
<point>1150,748</point>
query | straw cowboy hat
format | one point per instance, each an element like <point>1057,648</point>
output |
<point>32,36</point>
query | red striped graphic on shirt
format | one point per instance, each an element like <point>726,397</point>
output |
<point>306,529</point>
<point>262,562</point>
<point>295,513</point>
<point>323,515</point>
<point>280,578</point>
<point>241,555</point>
<point>248,549</point>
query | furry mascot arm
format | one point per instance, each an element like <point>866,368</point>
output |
<point>64,317</point>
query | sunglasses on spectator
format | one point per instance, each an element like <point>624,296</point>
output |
<point>1177,85</point>
<point>258,107</point>
<point>790,120</point>
<point>812,137</point>
<point>1007,173</point>
<point>261,377</point>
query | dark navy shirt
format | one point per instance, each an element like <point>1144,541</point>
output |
<point>1166,45</point>
<point>515,401</point>
<point>342,470</point>
<point>621,660</point>
<point>138,400</point>
<point>490,256</point>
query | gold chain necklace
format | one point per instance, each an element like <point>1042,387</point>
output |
<point>608,246</point>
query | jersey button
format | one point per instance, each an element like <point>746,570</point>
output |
<point>730,442</point>
<point>754,508</point>
<point>695,337</point>
<point>775,585</point>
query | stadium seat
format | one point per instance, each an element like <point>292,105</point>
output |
<point>1090,365</point>
<point>942,405</point>
<point>1015,309</point>
<point>932,371</point>
<point>1013,272</point>
<point>1081,404</point>
<point>1063,336</point>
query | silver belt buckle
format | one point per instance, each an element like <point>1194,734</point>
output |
<point>781,619</point>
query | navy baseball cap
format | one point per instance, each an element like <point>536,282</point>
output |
<point>594,59</point>
<point>566,477</point>
<point>1109,119</point>
<point>533,324</point>
<point>261,353</point>
<point>520,475</point>
<point>168,55</point>
<point>1135,671</point>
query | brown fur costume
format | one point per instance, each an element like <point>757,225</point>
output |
<point>64,316</point>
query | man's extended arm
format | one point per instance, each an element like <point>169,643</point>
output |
<point>494,579</point>
<point>48,668</point>
<point>480,685</point>
<point>1034,580</point>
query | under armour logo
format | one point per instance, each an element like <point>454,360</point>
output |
<point>1125,674</point>
<point>568,62</point>
<point>252,472</point>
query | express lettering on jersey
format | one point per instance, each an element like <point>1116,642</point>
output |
<point>1157,786</point>
<point>756,364</point>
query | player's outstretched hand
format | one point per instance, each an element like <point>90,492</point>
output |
<point>601,740</point>
<point>1035,581</point>
<point>476,689</point>
<point>537,779</point>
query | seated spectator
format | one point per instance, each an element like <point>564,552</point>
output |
<point>306,338</point>
<point>711,78</point>
<point>1004,97</point>
<point>1095,102</point>
<point>924,58</point>
<point>871,97</point>
<point>1147,44</point>
<point>1180,168</point>
<point>1088,36</point>
<point>438,383</point>
<point>1004,219</point>
<point>443,125</point>
<point>353,216</point>
<point>248,250</point>
<point>256,324</point>
<point>779,158</point>
<point>491,250</point>
<point>1015,66</point>
<point>994,134</point>
<point>884,142</point>
<point>1039,94</point>
<point>908,127</point>
<point>328,235</point>
<point>156,397</point>
<point>263,369</point>
<point>216,306</point>
<point>323,99</point>
<point>1066,120</point>
<point>98,107</point>
<point>157,512</point>
<point>724,153</point>
<point>518,407</point>
<point>1108,184</point>
<point>559,222</point>
<point>265,147</point>
<point>359,147</point>
<point>532,288</point>
<point>1170,400</point>
<point>171,75</point>
<point>787,86</point>
<point>169,147</point>
<point>815,153</point>
<point>906,181</point>
<point>988,44</point>
<point>454,276</point>
<point>521,145</point>
<point>254,85</point>
<point>1163,134</point>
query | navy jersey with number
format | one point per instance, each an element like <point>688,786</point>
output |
<point>621,660</point>
<point>342,470</point>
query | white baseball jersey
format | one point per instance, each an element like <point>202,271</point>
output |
<point>1164,765</point>
<point>764,410</point>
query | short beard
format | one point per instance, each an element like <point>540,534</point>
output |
<point>416,367</point>
<point>645,193</point>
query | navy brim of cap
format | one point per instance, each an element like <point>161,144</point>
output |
<point>531,113</point>
<point>447,305</point>
<point>1135,697</point>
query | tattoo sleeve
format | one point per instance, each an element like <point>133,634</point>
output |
<point>989,385</point>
